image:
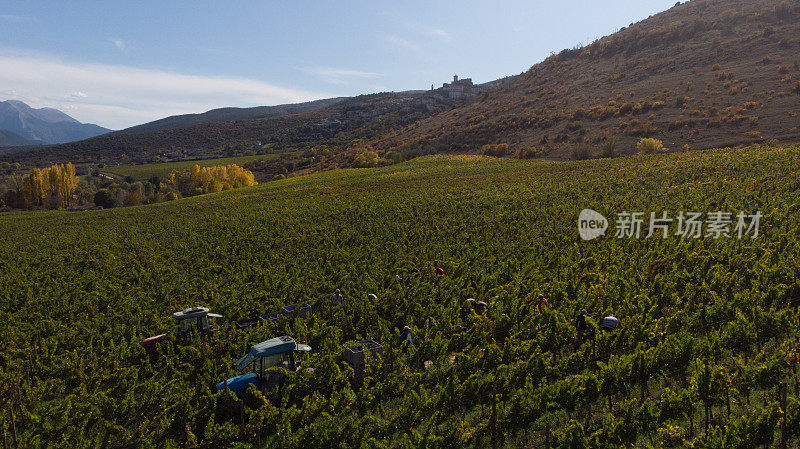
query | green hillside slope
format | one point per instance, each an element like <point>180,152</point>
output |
<point>707,326</point>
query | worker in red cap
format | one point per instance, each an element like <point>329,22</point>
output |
<point>440,271</point>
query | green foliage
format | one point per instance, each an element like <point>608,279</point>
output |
<point>367,159</point>
<point>495,150</point>
<point>705,325</point>
<point>650,146</point>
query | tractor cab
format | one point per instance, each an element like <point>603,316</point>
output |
<point>281,352</point>
<point>194,319</point>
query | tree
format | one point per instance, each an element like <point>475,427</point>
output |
<point>57,184</point>
<point>650,146</point>
<point>105,199</point>
<point>200,180</point>
<point>366,159</point>
<point>33,187</point>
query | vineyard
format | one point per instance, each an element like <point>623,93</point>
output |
<point>706,353</point>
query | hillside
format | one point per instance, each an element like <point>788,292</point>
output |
<point>358,118</point>
<point>9,139</point>
<point>702,74</point>
<point>44,125</point>
<point>707,329</point>
<point>229,114</point>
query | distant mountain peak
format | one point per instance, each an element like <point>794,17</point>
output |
<point>44,125</point>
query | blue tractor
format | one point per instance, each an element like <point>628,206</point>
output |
<point>279,352</point>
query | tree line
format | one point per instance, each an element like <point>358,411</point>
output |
<point>57,187</point>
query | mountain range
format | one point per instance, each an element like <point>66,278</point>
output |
<point>41,126</point>
<point>704,73</point>
<point>230,114</point>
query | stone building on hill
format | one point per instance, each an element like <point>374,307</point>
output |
<point>460,89</point>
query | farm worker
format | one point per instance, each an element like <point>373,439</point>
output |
<point>440,271</point>
<point>580,321</point>
<point>466,312</point>
<point>337,297</point>
<point>477,306</point>
<point>372,297</point>
<point>405,338</point>
<point>542,302</point>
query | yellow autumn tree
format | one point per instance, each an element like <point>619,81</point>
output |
<point>33,187</point>
<point>200,180</point>
<point>57,181</point>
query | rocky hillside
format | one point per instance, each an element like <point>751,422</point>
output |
<point>704,73</point>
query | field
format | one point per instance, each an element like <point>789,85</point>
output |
<point>146,171</point>
<point>708,327</point>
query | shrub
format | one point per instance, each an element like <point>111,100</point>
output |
<point>650,146</point>
<point>395,157</point>
<point>796,88</point>
<point>495,150</point>
<point>105,199</point>
<point>134,198</point>
<point>580,151</point>
<point>576,125</point>
<point>609,148</point>
<point>366,159</point>
<point>658,105</point>
<point>527,153</point>
<point>753,134</point>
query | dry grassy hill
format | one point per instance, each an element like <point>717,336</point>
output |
<point>704,73</point>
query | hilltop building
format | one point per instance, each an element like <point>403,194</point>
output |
<point>460,89</point>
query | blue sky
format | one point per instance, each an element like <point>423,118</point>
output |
<point>120,63</point>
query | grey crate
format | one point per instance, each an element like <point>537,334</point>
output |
<point>356,353</point>
<point>299,310</point>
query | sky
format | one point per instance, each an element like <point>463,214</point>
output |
<point>122,63</point>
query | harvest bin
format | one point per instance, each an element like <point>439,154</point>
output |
<point>298,310</point>
<point>356,353</point>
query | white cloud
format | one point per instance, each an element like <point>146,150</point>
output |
<point>119,96</point>
<point>119,43</point>
<point>424,30</point>
<point>438,33</point>
<point>340,76</point>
